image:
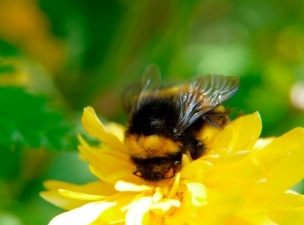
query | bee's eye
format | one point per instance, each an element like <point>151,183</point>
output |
<point>138,173</point>
<point>170,173</point>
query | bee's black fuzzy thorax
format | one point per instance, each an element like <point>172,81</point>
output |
<point>155,116</point>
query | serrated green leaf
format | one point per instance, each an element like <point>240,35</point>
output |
<point>28,120</point>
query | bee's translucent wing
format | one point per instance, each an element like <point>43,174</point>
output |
<point>129,97</point>
<point>136,92</point>
<point>151,77</point>
<point>203,94</point>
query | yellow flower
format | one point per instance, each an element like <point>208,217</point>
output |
<point>241,180</point>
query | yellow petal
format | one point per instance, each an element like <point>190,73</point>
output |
<point>183,214</point>
<point>282,161</point>
<point>54,197</point>
<point>280,146</point>
<point>232,173</point>
<point>240,134</point>
<point>116,129</point>
<point>83,215</point>
<point>247,131</point>
<point>158,195</point>
<point>93,188</point>
<point>196,169</point>
<point>219,209</point>
<point>126,186</point>
<point>55,184</point>
<point>164,206</point>
<point>220,144</point>
<point>117,213</point>
<point>234,220</point>
<point>287,209</point>
<point>138,210</point>
<point>94,127</point>
<point>175,186</point>
<point>216,211</point>
<point>80,196</point>
<point>70,196</point>
<point>257,217</point>
<point>107,163</point>
<point>198,193</point>
<point>262,142</point>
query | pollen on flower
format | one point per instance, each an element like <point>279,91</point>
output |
<point>242,179</point>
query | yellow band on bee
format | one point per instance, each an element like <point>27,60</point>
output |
<point>151,146</point>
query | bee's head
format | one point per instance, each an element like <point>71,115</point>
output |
<point>155,157</point>
<point>157,168</point>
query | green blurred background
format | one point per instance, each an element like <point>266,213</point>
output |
<point>58,56</point>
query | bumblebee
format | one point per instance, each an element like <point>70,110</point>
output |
<point>165,120</point>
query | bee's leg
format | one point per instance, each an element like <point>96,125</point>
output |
<point>195,148</point>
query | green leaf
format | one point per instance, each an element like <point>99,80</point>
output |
<point>28,120</point>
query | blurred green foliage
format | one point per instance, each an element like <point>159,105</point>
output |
<point>57,57</point>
